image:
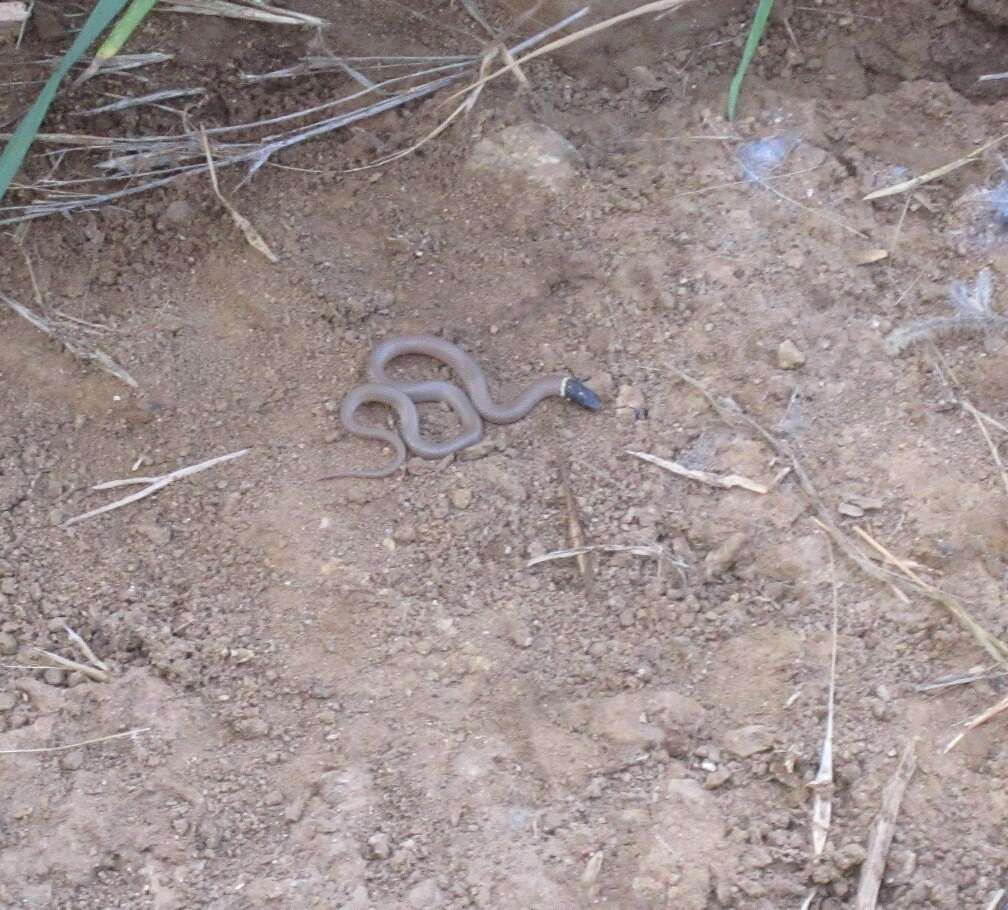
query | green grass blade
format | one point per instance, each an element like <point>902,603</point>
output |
<point>17,147</point>
<point>756,30</point>
<point>121,31</point>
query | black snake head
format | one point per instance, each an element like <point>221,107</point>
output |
<point>575,390</point>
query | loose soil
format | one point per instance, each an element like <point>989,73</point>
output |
<point>356,694</point>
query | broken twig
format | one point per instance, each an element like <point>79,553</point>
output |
<point>252,236</point>
<point>938,172</point>
<point>990,643</point>
<point>822,785</point>
<point>86,649</point>
<point>87,742</point>
<point>586,565</point>
<point>67,664</point>
<point>53,331</point>
<point>733,415</point>
<point>724,481</point>
<point>979,719</point>
<point>153,485</point>
<point>882,833</point>
<point>654,550</point>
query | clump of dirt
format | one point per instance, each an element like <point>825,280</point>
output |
<point>358,694</point>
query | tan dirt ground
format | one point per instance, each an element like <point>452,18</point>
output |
<point>357,694</point>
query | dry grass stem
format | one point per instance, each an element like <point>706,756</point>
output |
<point>724,481</point>
<point>153,485</point>
<point>981,419</point>
<point>881,837</point>
<point>990,643</point>
<point>995,901</point>
<point>66,664</point>
<point>154,99</point>
<point>988,419</point>
<point>592,867</point>
<point>575,530</point>
<point>75,347</point>
<point>643,10</point>
<point>26,667</point>
<point>654,550</point>
<point>85,649</point>
<point>908,185</point>
<point>144,163</point>
<point>252,236</point>
<point>822,785</point>
<point>84,742</point>
<point>818,212</point>
<point>979,719</point>
<point>733,416</point>
<point>902,564</point>
<point>261,12</point>
<point>960,678</point>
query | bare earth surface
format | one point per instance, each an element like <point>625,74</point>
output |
<point>356,694</point>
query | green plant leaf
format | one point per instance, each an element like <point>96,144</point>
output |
<point>121,31</point>
<point>756,30</point>
<point>17,146</point>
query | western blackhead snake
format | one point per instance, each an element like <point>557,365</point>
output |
<point>471,407</point>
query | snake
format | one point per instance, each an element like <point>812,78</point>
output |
<point>471,407</point>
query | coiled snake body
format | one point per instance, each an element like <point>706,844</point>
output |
<point>471,407</point>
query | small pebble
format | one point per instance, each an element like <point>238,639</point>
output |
<point>850,510</point>
<point>850,856</point>
<point>379,846</point>
<point>72,761</point>
<point>8,644</point>
<point>404,533</point>
<point>251,727</point>
<point>717,779</point>
<point>789,357</point>
<point>723,557</point>
<point>425,894</point>
<point>54,677</point>
<point>868,503</point>
<point>480,450</point>
<point>274,798</point>
<point>747,741</point>
<point>8,586</point>
<point>549,821</point>
<point>461,498</point>
<point>8,701</point>
<point>521,635</point>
